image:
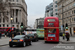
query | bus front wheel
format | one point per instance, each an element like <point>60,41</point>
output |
<point>45,41</point>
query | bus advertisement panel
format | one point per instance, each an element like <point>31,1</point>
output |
<point>51,29</point>
<point>30,31</point>
<point>40,33</point>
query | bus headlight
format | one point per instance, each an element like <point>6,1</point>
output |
<point>51,39</point>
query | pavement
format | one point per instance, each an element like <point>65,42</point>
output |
<point>4,41</point>
<point>71,41</point>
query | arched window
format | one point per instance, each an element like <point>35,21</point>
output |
<point>0,20</point>
<point>16,20</point>
<point>3,19</point>
<point>7,25</point>
<point>0,25</point>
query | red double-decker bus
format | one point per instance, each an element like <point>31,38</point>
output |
<point>6,29</point>
<point>51,29</point>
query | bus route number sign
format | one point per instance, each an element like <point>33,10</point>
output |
<point>51,20</point>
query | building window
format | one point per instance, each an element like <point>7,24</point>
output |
<point>3,20</point>
<point>55,5</point>
<point>0,14</point>
<point>3,25</point>
<point>17,0</point>
<point>0,25</point>
<point>56,13</point>
<point>7,12</point>
<point>13,12</point>
<point>56,10</point>
<point>0,20</point>
<point>74,19</point>
<point>16,20</point>
<point>7,25</point>
<point>16,12</point>
<point>56,2</point>
<point>74,11</point>
<point>13,25</point>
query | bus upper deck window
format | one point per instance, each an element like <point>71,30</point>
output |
<point>51,30</point>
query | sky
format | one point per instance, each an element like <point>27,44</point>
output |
<point>36,9</point>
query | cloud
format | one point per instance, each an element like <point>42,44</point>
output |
<point>36,9</point>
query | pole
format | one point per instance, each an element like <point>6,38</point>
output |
<point>62,18</point>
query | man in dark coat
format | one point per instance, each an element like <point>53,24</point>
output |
<point>67,36</point>
<point>5,34</point>
<point>0,35</point>
<point>9,34</point>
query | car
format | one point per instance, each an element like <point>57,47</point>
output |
<point>33,37</point>
<point>22,40</point>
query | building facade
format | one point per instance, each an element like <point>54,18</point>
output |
<point>39,23</point>
<point>15,9</point>
<point>55,8</point>
<point>52,9</point>
<point>66,14</point>
<point>49,10</point>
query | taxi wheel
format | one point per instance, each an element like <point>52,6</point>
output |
<point>11,45</point>
<point>24,44</point>
<point>36,40</point>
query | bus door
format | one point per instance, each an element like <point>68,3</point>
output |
<point>51,34</point>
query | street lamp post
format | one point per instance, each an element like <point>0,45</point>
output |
<point>11,21</point>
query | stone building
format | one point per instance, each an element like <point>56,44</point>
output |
<point>39,23</point>
<point>49,10</point>
<point>66,13</point>
<point>55,8</point>
<point>15,9</point>
<point>52,9</point>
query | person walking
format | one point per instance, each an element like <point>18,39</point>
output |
<point>5,34</point>
<point>9,34</point>
<point>63,35</point>
<point>67,36</point>
<point>0,35</point>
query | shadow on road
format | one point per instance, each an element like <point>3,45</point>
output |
<point>51,42</point>
<point>19,46</point>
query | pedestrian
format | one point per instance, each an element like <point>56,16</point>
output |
<point>5,34</point>
<point>9,34</point>
<point>0,35</point>
<point>63,35</point>
<point>67,36</point>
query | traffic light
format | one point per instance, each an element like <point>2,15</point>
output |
<point>63,25</point>
<point>66,26</point>
<point>21,24</point>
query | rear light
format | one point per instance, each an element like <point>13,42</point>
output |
<point>10,40</point>
<point>21,40</point>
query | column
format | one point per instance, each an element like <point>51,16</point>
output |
<point>72,30</point>
<point>1,19</point>
<point>14,15</point>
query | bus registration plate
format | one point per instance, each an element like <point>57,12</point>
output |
<point>51,35</point>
